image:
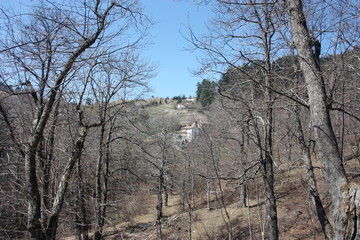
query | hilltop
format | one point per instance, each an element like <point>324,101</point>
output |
<point>168,109</point>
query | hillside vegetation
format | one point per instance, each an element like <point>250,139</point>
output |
<point>170,111</point>
<point>210,186</point>
<point>269,150</point>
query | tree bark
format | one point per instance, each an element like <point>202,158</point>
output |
<point>270,201</point>
<point>32,194</point>
<point>62,188</point>
<point>208,194</point>
<point>267,162</point>
<point>80,217</point>
<point>159,206</point>
<point>243,195</point>
<point>39,123</point>
<point>345,197</point>
<point>166,195</point>
<point>99,222</point>
<point>46,157</point>
<point>311,181</point>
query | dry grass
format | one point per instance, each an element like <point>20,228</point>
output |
<point>296,215</point>
<point>183,116</point>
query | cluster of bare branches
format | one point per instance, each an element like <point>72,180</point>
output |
<point>285,70</point>
<point>78,151</point>
<point>73,65</point>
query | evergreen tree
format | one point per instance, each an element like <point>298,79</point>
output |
<point>205,92</point>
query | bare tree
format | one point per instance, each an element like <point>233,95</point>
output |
<point>243,38</point>
<point>111,98</point>
<point>229,44</point>
<point>11,165</point>
<point>343,193</point>
<point>46,51</point>
<point>165,157</point>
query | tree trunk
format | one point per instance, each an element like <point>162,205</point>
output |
<point>243,195</point>
<point>107,171</point>
<point>46,157</point>
<point>80,218</point>
<point>267,162</point>
<point>99,222</point>
<point>270,201</point>
<point>345,200</point>
<point>32,190</point>
<point>166,195</point>
<point>159,206</point>
<point>311,181</point>
<point>268,178</point>
<point>32,194</point>
<point>264,141</point>
<point>64,182</point>
<point>183,195</point>
<point>208,194</point>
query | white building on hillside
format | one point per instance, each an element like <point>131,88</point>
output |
<point>187,103</point>
<point>190,132</point>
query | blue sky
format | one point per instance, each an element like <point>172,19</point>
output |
<point>174,63</point>
<point>168,50</point>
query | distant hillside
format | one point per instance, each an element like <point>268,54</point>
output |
<point>158,108</point>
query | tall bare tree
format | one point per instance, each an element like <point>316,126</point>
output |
<point>46,48</point>
<point>243,38</point>
<point>345,199</point>
<point>114,81</point>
